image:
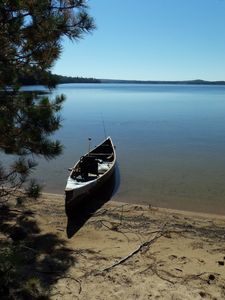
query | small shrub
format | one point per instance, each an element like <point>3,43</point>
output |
<point>33,287</point>
<point>9,264</point>
<point>20,200</point>
<point>34,189</point>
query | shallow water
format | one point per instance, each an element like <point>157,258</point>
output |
<point>170,141</point>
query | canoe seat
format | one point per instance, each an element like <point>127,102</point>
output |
<point>105,156</point>
<point>88,165</point>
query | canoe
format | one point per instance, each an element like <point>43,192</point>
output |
<point>92,169</point>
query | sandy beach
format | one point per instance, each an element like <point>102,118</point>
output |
<point>124,251</point>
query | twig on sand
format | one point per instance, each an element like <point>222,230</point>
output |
<point>141,247</point>
<point>113,226</point>
<point>195,277</point>
<point>76,280</point>
<point>155,271</point>
<point>182,279</point>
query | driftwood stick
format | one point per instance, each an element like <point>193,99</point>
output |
<point>155,271</point>
<point>140,248</point>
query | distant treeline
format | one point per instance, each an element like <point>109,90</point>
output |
<point>38,79</point>
<point>69,79</point>
<point>197,81</point>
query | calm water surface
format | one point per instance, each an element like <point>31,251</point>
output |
<point>170,141</point>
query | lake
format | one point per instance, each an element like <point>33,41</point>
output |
<point>170,141</point>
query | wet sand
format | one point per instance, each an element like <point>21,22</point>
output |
<point>125,251</point>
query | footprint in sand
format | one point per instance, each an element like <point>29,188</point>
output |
<point>182,259</point>
<point>172,257</point>
<point>201,261</point>
<point>211,278</point>
<point>220,262</point>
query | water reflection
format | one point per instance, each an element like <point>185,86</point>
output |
<point>170,141</point>
<point>79,214</point>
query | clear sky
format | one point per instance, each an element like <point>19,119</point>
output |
<point>150,40</point>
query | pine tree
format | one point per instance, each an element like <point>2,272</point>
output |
<point>31,33</point>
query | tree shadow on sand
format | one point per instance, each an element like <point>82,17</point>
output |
<point>30,261</point>
<point>78,214</point>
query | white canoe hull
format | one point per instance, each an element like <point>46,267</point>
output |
<point>78,188</point>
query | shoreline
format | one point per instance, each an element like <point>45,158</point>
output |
<point>189,213</point>
<point>129,251</point>
<point>122,251</point>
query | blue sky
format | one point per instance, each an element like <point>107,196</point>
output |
<point>150,40</point>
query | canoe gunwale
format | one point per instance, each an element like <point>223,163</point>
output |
<point>83,186</point>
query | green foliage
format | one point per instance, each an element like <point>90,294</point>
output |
<point>27,122</point>
<point>34,189</point>
<point>34,289</point>
<point>9,268</point>
<point>8,259</point>
<point>31,34</point>
<point>14,283</point>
